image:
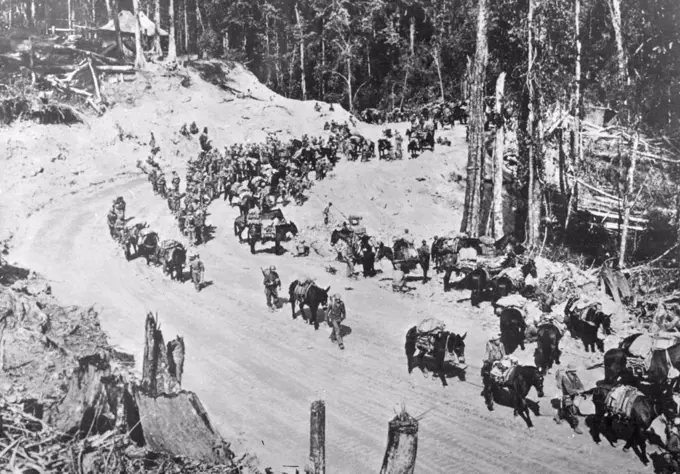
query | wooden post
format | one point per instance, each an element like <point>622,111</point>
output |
<point>402,445</point>
<point>317,438</point>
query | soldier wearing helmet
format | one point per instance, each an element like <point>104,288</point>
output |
<point>196,269</point>
<point>336,314</point>
<point>272,283</point>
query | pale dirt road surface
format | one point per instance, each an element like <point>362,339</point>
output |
<point>257,372</point>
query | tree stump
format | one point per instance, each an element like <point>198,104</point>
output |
<point>163,366</point>
<point>402,445</point>
<point>317,438</point>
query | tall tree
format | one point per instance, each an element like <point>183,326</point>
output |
<point>172,44</point>
<point>301,39</point>
<point>157,21</point>
<point>497,230</point>
<point>472,210</point>
<point>140,60</point>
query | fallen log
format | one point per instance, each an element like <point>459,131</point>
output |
<point>177,424</point>
<point>118,69</point>
<point>402,445</point>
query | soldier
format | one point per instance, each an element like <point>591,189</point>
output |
<point>571,386</point>
<point>199,225</point>
<point>495,351</point>
<point>317,107</point>
<point>204,141</point>
<point>153,179</point>
<point>271,283</point>
<point>326,213</point>
<point>434,254</point>
<point>424,258</point>
<point>175,181</point>
<point>196,269</point>
<point>398,146</point>
<point>162,189</point>
<point>336,314</point>
<point>190,227</point>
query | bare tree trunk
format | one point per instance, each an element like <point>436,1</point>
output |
<point>323,67</point>
<point>476,149</point>
<point>140,60</point>
<point>157,20</point>
<point>576,155</point>
<point>277,63</point>
<point>402,445</point>
<point>31,21</point>
<point>70,14</point>
<point>412,35</point>
<point>626,204</point>
<point>269,53</point>
<point>349,83</point>
<point>435,55</point>
<point>317,438</point>
<point>116,25</point>
<point>615,10</point>
<point>531,234</point>
<point>199,16</point>
<point>303,79</point>
<point>185,12</point>
<point>498,228</point>
<point>94,11</point>
<point>172,44</point>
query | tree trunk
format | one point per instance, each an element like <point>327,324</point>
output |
<point>94,11</point>
<point>31,21</point>
<point>615,10</point>
<point>576,154</point>
<point>439,72</point>
<point>497,230</point>
<point>163,366</point>
<point>116,25</point>
<point>157,21</point>
<point>531,230</point>
<point>172,45</point>
<point>625,201</point>
<point>476,149</point>
<point>277,62</point>
<point>140,61</point>
<point>303,80</point>
<point>349,83</point>
<point>185,12</point>
<point>412,35</point>
<point>402,445</point>
<point>269,53</point>
<point>323,67</point>
<point>317,438</point>
<point>199,17</point>
<point>69,12</point>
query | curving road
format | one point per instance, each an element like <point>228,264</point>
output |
<point>257,372</point>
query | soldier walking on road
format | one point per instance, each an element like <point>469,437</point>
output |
<point>571,386</point>
<point>494,351</point>
<point>175,181</point>
<point>424,258</point>
<point>336,314</point>
<point>326,213</point>
<point>196,270</point>
<point>272,282</point>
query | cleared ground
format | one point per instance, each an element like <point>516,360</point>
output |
<point>257,372</point>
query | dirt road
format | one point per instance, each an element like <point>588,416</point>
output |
<point>257,371</point>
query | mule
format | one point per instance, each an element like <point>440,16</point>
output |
<point>644,411</point>
<point>350,238</point>
<point>616,360</point>
<point>314,298</point>
<point>547,347</point>
<point>172,261</point>
<point>405,265</point>
<point>384,148</point>
<point>445,342</point>
<point>504,285</point>
<point>513,327</point>
<point>587,325</point>
<point>519,384</point>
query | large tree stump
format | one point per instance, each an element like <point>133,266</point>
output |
<point>163,366</point>
<point>177,424</point>
<point>402,445</point>
<point>90,405</point>
<point>317,438</point>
